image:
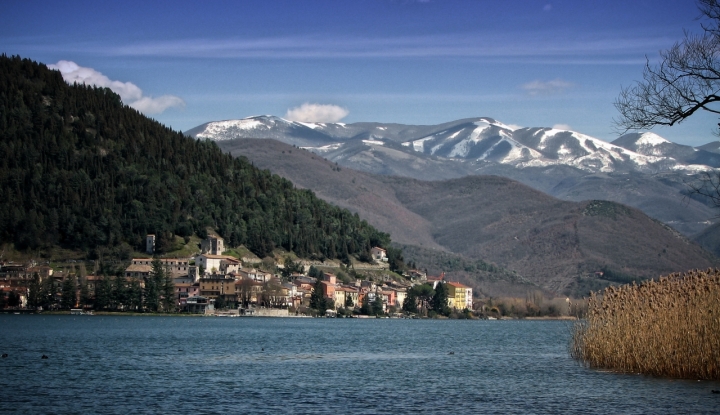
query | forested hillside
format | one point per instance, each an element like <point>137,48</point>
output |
<point>78,169</point>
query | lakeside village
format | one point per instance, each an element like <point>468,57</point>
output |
<point>211,283</point>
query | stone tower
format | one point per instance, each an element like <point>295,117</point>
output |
<point>150,244</point>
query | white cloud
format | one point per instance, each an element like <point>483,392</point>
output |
<point>148,105</point>
<point>130,93</point>
<point>546,87</point>
<point>561,127</point>
<point>308,112</point>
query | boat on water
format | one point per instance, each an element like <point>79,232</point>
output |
<point>80,312</point>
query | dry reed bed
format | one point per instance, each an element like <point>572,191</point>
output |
<point>669,327</point>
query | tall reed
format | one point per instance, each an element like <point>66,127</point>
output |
<point>669,327</point>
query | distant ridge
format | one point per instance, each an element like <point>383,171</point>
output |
<point>642,170</point>
<point>475,139</point>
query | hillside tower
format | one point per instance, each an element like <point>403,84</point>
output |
<point>150,244</point>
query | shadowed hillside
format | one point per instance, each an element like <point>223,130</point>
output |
<point>549,242</point>
<point>358,191</point>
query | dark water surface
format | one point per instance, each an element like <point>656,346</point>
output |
<point>123,365</point>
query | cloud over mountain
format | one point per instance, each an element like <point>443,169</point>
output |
<point>308,112</point>
<point>130,93</point>
<point>546,87</point>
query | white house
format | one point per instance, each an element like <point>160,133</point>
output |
<point>217,263</point>
<point>378,254</point>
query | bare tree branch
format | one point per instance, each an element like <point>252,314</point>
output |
<point>686,80</point>
<point>708,185</point>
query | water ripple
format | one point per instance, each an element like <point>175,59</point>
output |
<point>120,365</point>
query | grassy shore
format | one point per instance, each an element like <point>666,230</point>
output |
<point>669,327</point>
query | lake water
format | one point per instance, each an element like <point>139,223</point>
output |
<point>125,364</point>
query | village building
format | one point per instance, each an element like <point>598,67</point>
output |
<point>211,263</point>
<point>416,276</point>
<point>254,274</point>
<point>400,294</point>
<point>142,267</point>
<point>435,280</point>
<point>378,254</point>
<point>186,290</point>
<point>213,245</point>
<point>198,305</point>
<point>459,296</point>
<point>353,293</point>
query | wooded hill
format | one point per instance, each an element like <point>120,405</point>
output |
<point>80,170</point>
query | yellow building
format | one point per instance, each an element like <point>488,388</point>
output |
<point>459,296</point>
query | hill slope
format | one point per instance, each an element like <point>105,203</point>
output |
<point>80,170</point>
<point>546,241</point>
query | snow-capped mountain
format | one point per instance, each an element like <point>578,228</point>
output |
<point>263,126</point>
<point>484,139</point>
<point>471,140</point>
<point>651,144</point>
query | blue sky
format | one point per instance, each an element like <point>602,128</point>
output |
<point>526,63</point>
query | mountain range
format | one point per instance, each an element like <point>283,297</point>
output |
<point>476,140</point>
<point>642,170</point>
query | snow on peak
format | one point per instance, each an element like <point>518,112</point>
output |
<point>650,139</point>
<point>490,121</point>
<point>217,129</point>
<point>312,125</point>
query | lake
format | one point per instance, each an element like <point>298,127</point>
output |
<point>205,365</point>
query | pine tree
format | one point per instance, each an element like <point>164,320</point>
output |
<point>135,295</point>
<point>154,286</point>
<point>34,292</point>
<point>47,294</point>
<point>119,292</point>
<point>68,297</point>
<point>410,303</point>
<point>169,302</point>
<point>103,293</point>
<point>85,298</point>
<point>440,300</point>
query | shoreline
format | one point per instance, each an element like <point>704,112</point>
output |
<point>136,314</point>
